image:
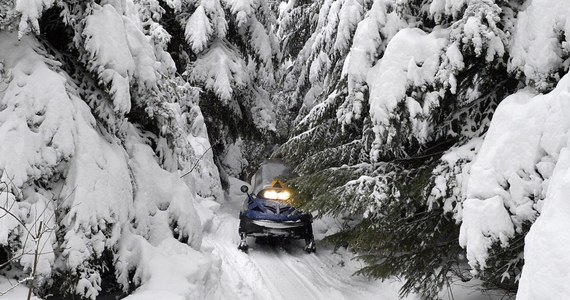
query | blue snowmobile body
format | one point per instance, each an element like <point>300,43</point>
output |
<point>270,210</point>
<point>273,218</point>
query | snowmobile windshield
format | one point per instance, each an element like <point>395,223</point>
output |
<point>269,171</point>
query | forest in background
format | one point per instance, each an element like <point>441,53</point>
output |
<point>436,130</point>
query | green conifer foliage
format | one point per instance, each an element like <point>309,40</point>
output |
<point>228,48</point>
<point>400,193</point>
<point>112,119</point>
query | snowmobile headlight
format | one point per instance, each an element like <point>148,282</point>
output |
<point>284,195</point>
<point>272,194</point>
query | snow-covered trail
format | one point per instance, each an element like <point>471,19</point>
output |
<point>284,272</point>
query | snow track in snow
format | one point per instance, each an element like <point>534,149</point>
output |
<point>284,271</point>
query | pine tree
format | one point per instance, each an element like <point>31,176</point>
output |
<point>518,190</point>
<point>388,152</point>
<point>230,52</point>
<point>105,145</point>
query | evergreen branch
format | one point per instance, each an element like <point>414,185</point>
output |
<point>417,157</point>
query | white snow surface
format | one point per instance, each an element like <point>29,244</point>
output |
<point>260,41</point>
<point>169,269</point>
<point>349,15</point>
<point>16,292</point>
<point>439,8</point>
<point>120,52</point>
<point>36,126</point>
<point>370,38</point>
<point>219,69</point>
<point>537,48</point>
<point>513,168</point>
<point>546,274</point>
<point>33,115</point>
<point>198,30</point>
<point>285,272</point>
<point>31,11</point>
<point>205,176</point>
<point>411,58</point>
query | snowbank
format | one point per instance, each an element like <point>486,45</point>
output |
<point>169,269</point>
<point>546,272</point>
<point>512,176</point>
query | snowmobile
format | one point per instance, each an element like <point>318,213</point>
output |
<point>270,210</point>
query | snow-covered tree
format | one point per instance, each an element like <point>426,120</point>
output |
<point>96,133</point>
<point>511,176</point>
<point>541,54</point>
<point>116,114</point>
<point>389,125</point>
<point>544,253</point>
<point>323,84</point>
<point>230,53</point>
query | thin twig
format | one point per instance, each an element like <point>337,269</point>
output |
<point>37,237</point>
<point>13,258</point>
<point>36,256</point>
<point>197,161</point>
<point>17,219</point>
<point>21,281</point>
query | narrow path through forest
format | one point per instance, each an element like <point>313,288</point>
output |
<point>285,271</point>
